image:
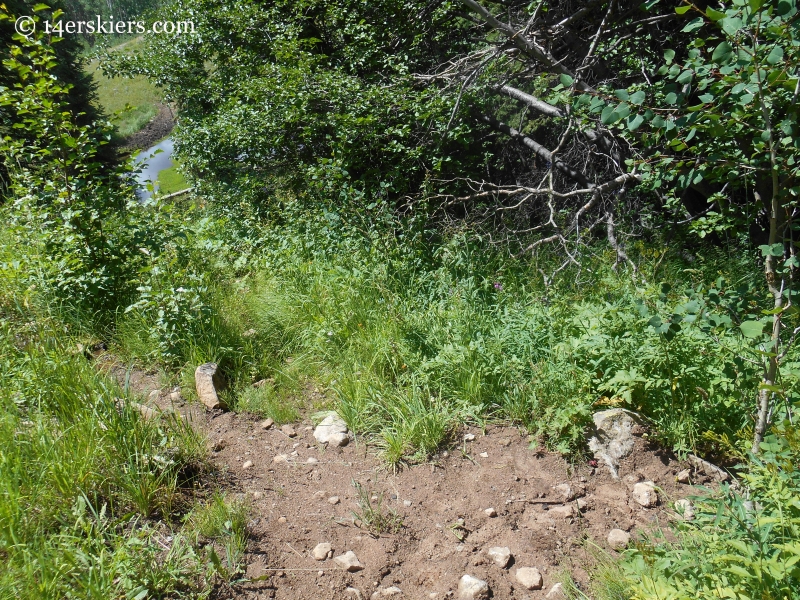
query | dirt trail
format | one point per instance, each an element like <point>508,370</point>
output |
<point>446,532</point>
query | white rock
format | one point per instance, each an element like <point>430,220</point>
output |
<point>490,512</point>
<point>469,437</point>
<point>645,494</point>
<point>500,556</point>
<point>321,551</point>
<point>349,562</point>
<point>613,439</point>
<point>289,431</point>
<point>472,588</point>
<point>247,464</point>
<point>565,491</point>
<point>565,512</point>
<point>311,460</point>
<point>208,382</point>
<point>391,591</point>
<point>618,539</point>
<point>484,455</point>
<point>530,578</point>
<point>319,495</point>
<point>267,424</point>
<point>703,466</point>
<point>354,593</point>
<point>685,508</point>
<point>332,431</point>
<point>333,500</point>
<point>280,458</point>
<point>556,592</point>
<point>175,397</point>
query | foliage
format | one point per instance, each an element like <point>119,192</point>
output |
<point>372,515</point>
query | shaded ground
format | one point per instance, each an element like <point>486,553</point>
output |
<point>157,129</point>
<point>445,530</point>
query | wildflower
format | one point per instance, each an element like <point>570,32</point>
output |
<point>498,285</point>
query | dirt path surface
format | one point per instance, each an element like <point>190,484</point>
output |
<point>303,495</point>
<point>157,129</point>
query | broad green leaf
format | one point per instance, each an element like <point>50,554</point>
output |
<point>621,94</point>
<point>693,25</point>
<point>669,55</point>
<point>722,52</point>
<point>634,122</point>
<point>775,56</point>
<point>751,329</point>
<point>566,80</point>
<point>714,15</point>
<point>637,97</point>
<point>682,10</point>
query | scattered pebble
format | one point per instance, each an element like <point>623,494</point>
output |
<point>645,494</point>
<point>685,508</point>
<point>618,539</point>
<point>684,476</point>
<point>565,512</point>
<point>220,445</point>
<point>349,562</point>
<point>322,551</point>
<point>353,592</point>
<point>565,491</point>
<point>472,588</point>
<point>247,464</point>
<point>582,503</point>
<point>407,503</point>
<point>311,460</point>
<point>530,578</point>
<point>289,431</point>
<point>333,500</point>
<point>500,556</point>
<point>280,458</point>
<point>556,592</point>
<point>267,424</point>
<point>484,455</point>
<point>332,431</point>
<point>258,495</point>
<point>389,591</point>
<point>470,437</point>
<point>490,512</point>
<point>319,495</point>
<point>281,520</point>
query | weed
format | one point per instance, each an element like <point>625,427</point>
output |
<point>372,515</point>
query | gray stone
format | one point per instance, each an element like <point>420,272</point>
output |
<point>685,508</point>
<point>618,539</point>
<point>321,551</point>
<point>530,578</point>
<point>332,431</point>
<point>613,439</point>
<point>684,476</point>
<point>391,591</point>
<point>472,588</point>
<point>333,500</point>
<point>565,491</point>
<point>247,464</point>
<point>500,556</point>
<point>267,424</point>
<point>354,593</point>
<point>490,512</point>
<point>288,431</point>
<point>705,467</point>
<point>208,382</point>
<point>556,592</point>
<point>349,562</point>
<point>565,512</point>
<point>469,437</point>
<point>645,494</point>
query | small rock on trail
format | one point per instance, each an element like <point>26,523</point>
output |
<point>645,494</point>
<point>618,539</point>
<point>208,382</point>
<point>530,578</point>
<point>613,439</point>
<point>500,556</point>
<point>321,551</point>
<point>332,431</point>
<point>349,562</point>
<point>472,588</point>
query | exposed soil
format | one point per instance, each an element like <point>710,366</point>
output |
<point>291,511</point>
<point>157,129</point>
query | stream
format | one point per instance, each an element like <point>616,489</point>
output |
<point>151,164</point>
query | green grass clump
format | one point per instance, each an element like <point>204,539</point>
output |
<point>171,180</point>
<point>136,98</point>
<point>265,402</point>
<point>223,523</point>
